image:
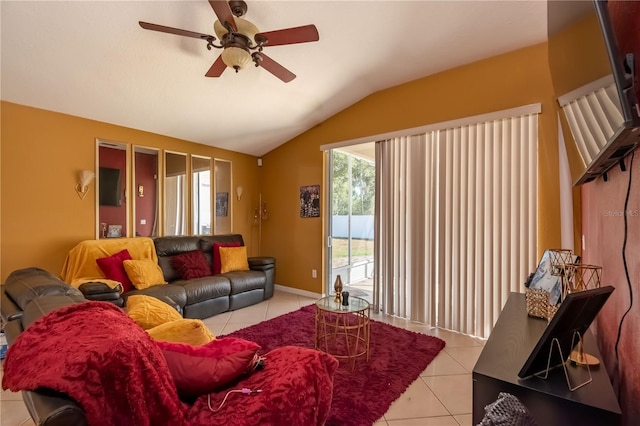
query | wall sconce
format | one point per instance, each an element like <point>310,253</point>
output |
<point>140,191</point>
<point>239,191</point>
<point>84,179</point>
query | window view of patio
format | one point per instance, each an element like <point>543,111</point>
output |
<point>352,221</point>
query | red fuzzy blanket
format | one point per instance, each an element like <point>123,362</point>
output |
<point>97,355</point>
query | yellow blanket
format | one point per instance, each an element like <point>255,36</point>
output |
<point>80,265</point>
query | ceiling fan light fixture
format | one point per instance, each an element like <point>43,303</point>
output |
<point>236,58</point>
<point>245,28</point>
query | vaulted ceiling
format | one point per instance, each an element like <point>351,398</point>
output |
<point>91,59</point>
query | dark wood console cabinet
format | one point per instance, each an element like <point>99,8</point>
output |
<point>550,401</point>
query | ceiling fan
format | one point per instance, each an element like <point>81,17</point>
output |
<point>241,41</point>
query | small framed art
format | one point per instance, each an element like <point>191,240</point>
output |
<point>114,231</point>
<point>310,201</point>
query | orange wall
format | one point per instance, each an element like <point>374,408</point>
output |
<point>506,81</point>
<point>42,153</point>
<point>49,217</point>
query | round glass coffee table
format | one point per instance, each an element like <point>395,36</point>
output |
<point>343,331</point>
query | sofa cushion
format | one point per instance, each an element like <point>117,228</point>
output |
<point>217,266</point>
<point>191,264</point>
<point>246,281</point>
<point>172,245</point>
<point>41,306</point>
<point>171,291</point>
<point>233,259</point>
<point>168,271</point>
<point>24,285</point>
<point>207,241</point>
<point>205,288</point>
<point>112,267</point>
<point>144,273</point>
<point>197,370</point>
<point>191,331</point>
<point>149,312</point>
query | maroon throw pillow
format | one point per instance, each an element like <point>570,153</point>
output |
<point>191,264</point>
<point>113,269</point>
<point>197,370</point>
<point>216,255</point>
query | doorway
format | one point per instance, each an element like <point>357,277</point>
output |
<point>351,183</point>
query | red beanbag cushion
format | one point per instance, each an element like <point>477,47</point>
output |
<point>113,268</point>
<point>198,370</point>
<point>192,264</point>
<point>216,255</point>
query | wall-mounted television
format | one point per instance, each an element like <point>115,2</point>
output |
<point>593,60</point>
<point>110,187</point>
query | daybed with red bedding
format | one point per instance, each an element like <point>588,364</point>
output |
<point>94,353</point>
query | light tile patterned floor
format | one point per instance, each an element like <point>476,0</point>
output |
<point>441,396</point>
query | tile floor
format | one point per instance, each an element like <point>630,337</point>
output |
<point>440,396</point>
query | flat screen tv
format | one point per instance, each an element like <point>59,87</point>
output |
<point>110,187</point>
<point>605,44</point>
<point>576,313</point>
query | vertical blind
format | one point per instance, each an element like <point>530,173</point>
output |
<point>593,112</point>
<point>456,222</point>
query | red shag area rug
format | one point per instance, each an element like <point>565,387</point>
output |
<point>362,395</point>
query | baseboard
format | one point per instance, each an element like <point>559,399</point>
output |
<point>297,291</point>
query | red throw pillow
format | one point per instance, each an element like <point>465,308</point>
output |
<point>216,255</point>
<point>197,370</point>
<point>113,269</point>
<point>192,264</point>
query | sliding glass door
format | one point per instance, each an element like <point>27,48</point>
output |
<point>352,200</point>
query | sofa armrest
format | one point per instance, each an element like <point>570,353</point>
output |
<point>12,330</point>
<point>8,308</point>
<point>268,266</point>
<point>51,408</point>
<point>101,292</point>
<point>261,263</point>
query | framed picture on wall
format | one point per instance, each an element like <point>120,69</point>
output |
<point>115,231</point>
<point>310,201</point>
<point>222,203</point>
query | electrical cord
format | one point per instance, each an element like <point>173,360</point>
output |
<point>624,261</point>
<point>244,391</point>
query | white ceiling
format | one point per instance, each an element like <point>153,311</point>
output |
<point>91,59</point>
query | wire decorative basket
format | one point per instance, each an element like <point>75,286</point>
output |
<point>583,277</point>
<point>573,277</point>
<point>538,303</point>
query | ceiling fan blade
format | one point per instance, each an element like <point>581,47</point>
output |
<point>293,35</point>
<point>177,31</point>
<point>275,68</point>
<point>223,12</point>
<point>217,68</point>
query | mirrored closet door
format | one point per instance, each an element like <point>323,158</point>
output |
<point>222,187</point>
<point>112,179</point>
<point>175,193</point>
<point>201,195</point>
<point>145,191</point>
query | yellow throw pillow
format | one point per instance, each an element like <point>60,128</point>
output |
<point>233,259</point>
<point>191,331</point>
<point>143,273</point>
<point>149,312</point>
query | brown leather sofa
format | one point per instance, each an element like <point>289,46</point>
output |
<point>27,295</point>
<point>31,293</point>
<point>200,297</point>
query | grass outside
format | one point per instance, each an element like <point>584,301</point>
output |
<point>359,248</point>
